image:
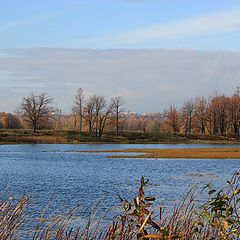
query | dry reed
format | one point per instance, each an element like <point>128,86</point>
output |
<point>218,218</point>
<point>193,153</point>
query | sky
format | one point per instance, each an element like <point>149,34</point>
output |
<point>152,52</point>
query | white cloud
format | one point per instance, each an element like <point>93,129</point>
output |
<point>25,21</point>
<point>213,24</point>
<point>150,80</point>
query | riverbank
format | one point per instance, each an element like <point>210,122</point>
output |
<point>126,137</point>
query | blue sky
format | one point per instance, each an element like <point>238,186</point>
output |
<point>152,52</point>
<point>104,24</point>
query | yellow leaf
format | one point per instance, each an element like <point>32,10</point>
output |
<point>225,224</point>
<point>154,236</point>
<point>145,221</point>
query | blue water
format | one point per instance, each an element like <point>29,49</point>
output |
<point>82,178</point>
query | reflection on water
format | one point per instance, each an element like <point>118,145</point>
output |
<point>74,177</point>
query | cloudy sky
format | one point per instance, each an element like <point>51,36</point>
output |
<point>152,52</point>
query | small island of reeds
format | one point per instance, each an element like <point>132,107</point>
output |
<point>192,153</point>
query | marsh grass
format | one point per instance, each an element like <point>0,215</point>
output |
<point>217,218</point>
<point>11,136</point>
<point>192,153</point>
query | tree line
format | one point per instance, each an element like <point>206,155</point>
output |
<point>37,112</point>
<point>216,114</point>
<point>96,112</point>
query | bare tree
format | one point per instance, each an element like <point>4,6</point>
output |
<point>223,114</point>
<point>201,105</point>
<point>117,103</point>
<point>234,111</point>
<point>73,122</point>
<point>212,115</point>
<point>103,119</point>
<point>173,118</point>
<point>218,113</point>
<point>88,113</point>
<point>101,112</point>
<point>77,108</point>
<point>187,114</point>
<point>36,110</point>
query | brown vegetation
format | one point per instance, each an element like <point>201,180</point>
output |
<point>56,136</point>
<point>217,218</point>
<point>202,118</point>
<point>193,153</point>
<point>36,110</point>
<point>217,115</point>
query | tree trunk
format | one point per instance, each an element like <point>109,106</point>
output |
<point>34,127</point>
<point>80,120</point>
<point>117,126</point>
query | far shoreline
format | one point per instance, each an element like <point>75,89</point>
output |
<point>21,136</point>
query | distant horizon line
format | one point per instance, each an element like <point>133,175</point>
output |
<point>122,49</point>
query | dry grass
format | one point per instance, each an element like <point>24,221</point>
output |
<point>193,153</point>
<point>33,140</point>
<point>40,139</point>
<point>65,136</point>
<point>218,219</point>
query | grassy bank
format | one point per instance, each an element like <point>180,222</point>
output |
<point>216,218</point>
<point>192,153</point>
<point>54,136</point>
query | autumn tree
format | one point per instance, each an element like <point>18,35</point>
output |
<point>173,118</point>
<point>234,112</point>
<point>9,121</point>
<point>218,113</point>
<point>117,103</point>
<point>155,123</point>
<point>4,120</point>
<point>201,105</point>
<point>36,110</point>
<point>212,115</point>
<point>187,115</point>
<point>77,108</point>
<point>222,111</point>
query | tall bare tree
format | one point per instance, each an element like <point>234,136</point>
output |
<point>173,118</point>
<point>104,119</point>
<point>212,115</point>
<point>117,103</point>
<point>78,106</point>
<point>88,113</point>
<point>187,114</point>
<point>223,114</point>
<point>36,110</point>
<point>234,111</point>
<point>201,105</point>
<point>101,113</point>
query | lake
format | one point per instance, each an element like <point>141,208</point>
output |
<point>83,178</point>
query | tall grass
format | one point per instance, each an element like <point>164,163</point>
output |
<point>217,218</point>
